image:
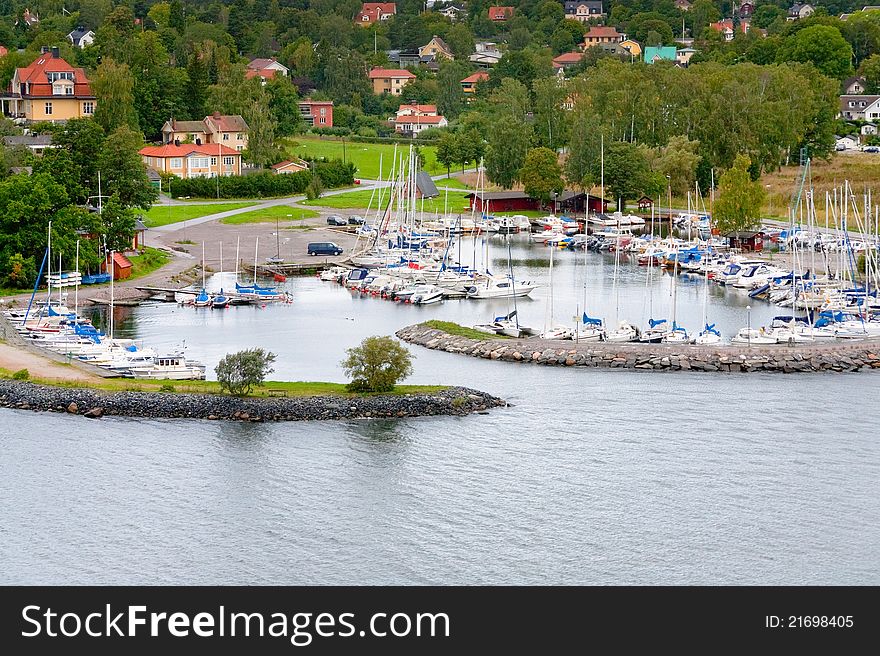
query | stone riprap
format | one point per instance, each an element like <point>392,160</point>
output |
<point>178,405</point>
<point>853,355</point>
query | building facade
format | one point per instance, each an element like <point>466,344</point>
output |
<point>391,81</point>
<point>317,113</point>
<point>49,89</point>
<point>192,161</point>
<point>230,131</point>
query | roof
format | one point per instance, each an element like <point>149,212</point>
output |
<point>139,225</point>
<point>516,195</point>
<point>283,165</point>
<point>184,126</point>
<point>379,73</point>
<point>261,63</point>
<point>568,58</point>
<point>572,5</point>
<point>3,51</point>
<point>28,140</point>
<point>120,261</point>
<point>36,75</point>
<point>264,73</point>
<point>500,13</point>
<point>653,53</point>
<point>309,101</point>
<point>185,150</point>
<point>852,80</point>
<point>78,33</point>
<point>601,31</point>
<point>439,42</point>
<point>386,7</point>
<point>421,109</point>
<point>868,100</point>
<point>227,123</point>
<point>421,120</point>
<point>426,185</point>
<point>479,76</point>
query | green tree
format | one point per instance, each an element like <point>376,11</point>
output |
<point>765,15</point>
<point>119,223</point>
<point>740,198</point>
<point>821,45</point>
<point>870,70</point>
<point>238,373</point>
<point>627,174</point>
<point>447,150</point>
<point>541,174</point>
<point>377,365</point>
<point>450,97</point>
<point>460,40</point>
<point>550,125</point>
<point>583,148</point>
<point>160,14</point>
<point>508,143</point>
<point>124,173</point>
<point>113,85</point>
<point>678,160</point>
<point>284,106</point>
<point>701,13</point>
<point>83,140</point>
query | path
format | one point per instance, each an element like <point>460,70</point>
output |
<point>14,359</point>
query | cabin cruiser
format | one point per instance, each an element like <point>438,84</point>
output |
<point>426,294</point>
<point>500,287</point>
<point>625,332</point>
<point>752,336</point>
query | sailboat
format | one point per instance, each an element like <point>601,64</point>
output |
<point>276,259</point>
<point>550,331</point>
<point>202,300</point>
<point>709,335</point>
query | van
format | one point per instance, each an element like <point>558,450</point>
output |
<point>324,248</point>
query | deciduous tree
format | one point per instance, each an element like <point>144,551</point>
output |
<point>739,200</point>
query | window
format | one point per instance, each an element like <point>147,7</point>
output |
<point>228,161</point>
<point>238,136</point>
<point>323,111</point>
<point>198,162</point>
<point>193,137</point>
<point>48,109</point>
<point>225,136</point>
<point>176,163</point>
<point>239,148</point>
<point>88,108</point>
<point>323,120</point>
<point>213,161</point>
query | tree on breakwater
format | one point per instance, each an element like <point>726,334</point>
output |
<point>377,365</point>
<point>238,373</point>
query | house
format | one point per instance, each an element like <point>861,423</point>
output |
<point>453,12</point>
<point>854,86</point>
<point>49,89</point>
<point>436,48</point>
<point>600,35</point>
<point>192,160</point>
<point>413,119</point>
<point>265,69</point>
<point>683,5</point>
<point>846,143</point>
<point>631,47</point>
<point>645,204</point>
<point>727,28</point>
<point>860,107</point>
<point>288,166</point>
<point>567,60</point>
<point>81,37</point>
<point>492,202</point>
<point>317,112</point>
<point>746,9</point>
<point>140,234</point>
<point>500,14</point>
<point>583,10</point>
<point>486,58</point>
<point>3,51</point>
<point>373,12</point>
<point>747,240</point>
<point>387,80</point>
<point>659,53</point>
<point>683,56</point>
<point>469,84</point>
<point>36,143</point>
<point>231,131</point>
<point>119,265</point>
<point>29,19</point>
<point>868,130</point>
<point>798,11</point>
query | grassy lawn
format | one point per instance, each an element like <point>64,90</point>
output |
<point>452,183</point>
<point>364,155</point>
<point>160,215</point>
<point>456,202</point>
<point>269,214</point>
<point>461,331</point>
<point>151,260</point>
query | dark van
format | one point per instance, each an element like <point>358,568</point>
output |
<point>324,248</point>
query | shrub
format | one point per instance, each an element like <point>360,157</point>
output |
<point>377,365</point>
<point>238,373</point>
<point>166,387</point>
<point>21,374</point>
<point>315,188</point>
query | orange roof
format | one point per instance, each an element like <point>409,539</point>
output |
<point>422,109</point>
<point>265,73</point>
<point>283,165</point>
<point>3,51</point>
<point>479,76</point>
<point>120,261</point>
<point>185,150</point>
<point>568,58</point>
<point>420,119</point>
<point>601,31</point>
<point>379,73</point>
<point>36,76</point>
<point>500,13</point>
<point>385,7</point>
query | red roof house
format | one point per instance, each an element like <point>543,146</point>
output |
<point>500,14</point>
<point>372,12</point>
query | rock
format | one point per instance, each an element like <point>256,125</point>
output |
<point>73,408</point>
<point>94,413</point>
<point>212,417</point>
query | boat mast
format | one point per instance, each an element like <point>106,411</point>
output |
<point>112,298</point>
<point>76,289</point>
<point>256,250</point>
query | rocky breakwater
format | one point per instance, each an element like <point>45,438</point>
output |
<point>177,405</point>
<point>832,356</point>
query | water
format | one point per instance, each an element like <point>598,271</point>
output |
<point>594,477</point>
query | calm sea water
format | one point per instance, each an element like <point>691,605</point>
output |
<point>594,477</point>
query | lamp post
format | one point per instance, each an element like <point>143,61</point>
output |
<point>749,324</point>
<point>555,194</point>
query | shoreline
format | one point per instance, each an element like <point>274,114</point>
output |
<point>857,355</point>
<point>93,404</point>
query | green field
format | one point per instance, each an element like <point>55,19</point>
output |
<point>160,215</point>
<point>152,259</point>
<point>452,183</point>
<point>364,155</point>
<point>269,214</point>
<point>456,202</point>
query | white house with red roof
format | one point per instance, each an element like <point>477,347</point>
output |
<point>49,89</point>
<point>500,14</point>
<point>265,69</point>
<point>373,12</point>
<point>192,160</point>
<point>412,119</point>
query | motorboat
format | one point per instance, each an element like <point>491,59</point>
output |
<point>625,332</point>
<point>752,336</point>
<point>500,287</point>
<point>426,294</point>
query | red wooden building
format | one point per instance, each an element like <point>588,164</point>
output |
<point>122,268</point>
<point>493,202</point>
<point>746,240</point>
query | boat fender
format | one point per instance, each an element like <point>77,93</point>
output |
<point>471,290</point>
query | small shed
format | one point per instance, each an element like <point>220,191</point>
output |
<point>140,231</point>
<point>121,266</point>
<point>746,240</point>
<point>645,204</point>
<point>425,187</point>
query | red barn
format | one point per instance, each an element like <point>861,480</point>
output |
<point>122,268</point>
<point>492,202</point>
<point>747,240</point>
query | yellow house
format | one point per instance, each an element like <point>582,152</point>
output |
<point>49,89</point>
<point>390,81</point>
<point>632,47</point>
<point>192,161</point>
<point>231,131</point>
<point>435,48</point>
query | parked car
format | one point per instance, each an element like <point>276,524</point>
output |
<point>355,220</point>
<point>872,149</point>
<point>323,248</point>
<point>336,220</point>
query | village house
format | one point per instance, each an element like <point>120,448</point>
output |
<point>654,54</point>
<point>81,37</point>
<point>846,143</point>
<point>392,81</point>
<point>412,119</point>
<point>290,166</point>
<point>798,11</point>
<point>373,12</point>
<point>486,54</point>
<point>36,143</point>
<point>868,130</point>
<point>265,69</point>
<point>745,9</point>
<point>434,49</point>
<point>317,113</point>
<point>492,202</point>
<point>453,12</point>
<point>583,10</point>
<point>727,28</point>
<point>231,131</point>
<point>860,108</point>
<point>500,14</point>
<point>49,89</point>
<point>192,160</point>
<point>567,60</point>
<point>29,18</point>
<point>631,47</point>
<point>683,56</point>
<point>854,86</point>
<point>469,84</point>
<point>600,35</point>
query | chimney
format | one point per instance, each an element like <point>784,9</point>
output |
<point>44,50</point>
<point>217,115</point>
<point>56,53</point>
<point>177,142</point>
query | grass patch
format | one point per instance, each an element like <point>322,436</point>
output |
<point>451,328</point>
<point>151,260</point>
<point>452,183</point>
<point>270,214</point>
<point>455,203</point>
<point>365,156</point>
<point>160,215</point>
